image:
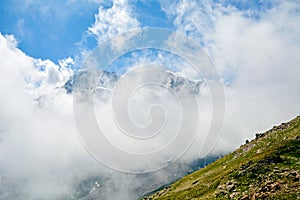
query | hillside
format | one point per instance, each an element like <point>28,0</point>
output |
<point>268,167</point>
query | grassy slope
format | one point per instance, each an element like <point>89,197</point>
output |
<point>268,167</point>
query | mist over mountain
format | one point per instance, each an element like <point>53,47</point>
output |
<point>107,80</point>
<point>104,187</point>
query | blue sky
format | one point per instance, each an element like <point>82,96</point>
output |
<point>57,30</point>
<point>54,29</point>
<point>151,14</point>
<point>47,29</point>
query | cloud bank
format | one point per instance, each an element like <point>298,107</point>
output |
<point>255,51</point>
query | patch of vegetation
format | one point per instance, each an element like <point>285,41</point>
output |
<point>268,167</point>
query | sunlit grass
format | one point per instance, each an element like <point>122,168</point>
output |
<point>255,168</point>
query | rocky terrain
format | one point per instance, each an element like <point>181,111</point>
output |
<point>267,167</point>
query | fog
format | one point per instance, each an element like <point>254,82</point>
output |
<point>43,156</point>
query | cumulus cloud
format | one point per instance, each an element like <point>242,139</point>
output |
<point>255,51</point>
<point>39,147</point>
<point>117,19</point>
<point>40,153</point>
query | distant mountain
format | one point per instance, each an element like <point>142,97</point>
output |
<point>97,187</point>
<point>94,188</point>
<point>268,167</point>
<point>107,80</point>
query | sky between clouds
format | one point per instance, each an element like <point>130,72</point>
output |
<point>255,46</point>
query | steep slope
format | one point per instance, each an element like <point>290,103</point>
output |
<point>268,167</point>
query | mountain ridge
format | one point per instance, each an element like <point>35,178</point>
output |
<point>107,80</point>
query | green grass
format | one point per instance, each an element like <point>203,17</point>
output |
<point>265,168</point>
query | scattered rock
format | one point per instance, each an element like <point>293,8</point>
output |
<point>248,146</point>
<point>246,197</point>
<point>233,195</point>
<point>195,182</point>
<point>231,188</point>
<point>293,173</point>
<point>259,135</point>
<point>281,127</point>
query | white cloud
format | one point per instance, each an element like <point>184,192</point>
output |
<point>67,62</point>
<point>40,153</point>
<point>194,18</point>
<point>256,56</point>
<point>114,20</point>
